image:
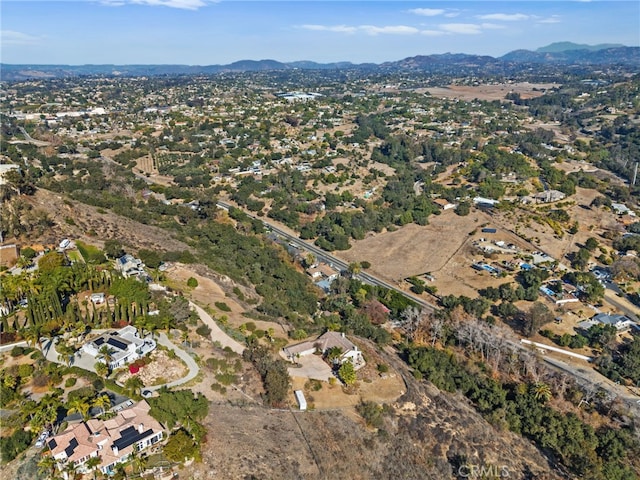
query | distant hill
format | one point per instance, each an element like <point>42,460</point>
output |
<point>605,56</point>
<point>566,53</point>
<point>565,46</point>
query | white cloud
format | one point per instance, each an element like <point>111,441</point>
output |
<point>505,17</point>
<point>391,29</point>
<point>427,12</point>
<point>181,4</point>
<point>551,19</point>
<point>11,37</point>
<point>327,28</point>
<point>368,29</point>
<point>462,28</point>
<point>432,33</point>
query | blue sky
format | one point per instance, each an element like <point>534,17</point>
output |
<point>205,32</point>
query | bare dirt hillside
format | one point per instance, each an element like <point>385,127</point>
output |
<point>431,435</point>
<point>83,222</point>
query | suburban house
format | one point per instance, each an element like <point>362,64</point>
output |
<point>113,441</point>
<point>322,271</point>
<point>325,342</point>
<point>444,204</point>
<point>621,322</point>
<point>549,196</point>
<point>622,209</point>
<point>129,266</point>
<point>559,298</point>
<point>124,346</point>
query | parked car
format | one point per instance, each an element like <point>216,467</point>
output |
<point>42,439</point>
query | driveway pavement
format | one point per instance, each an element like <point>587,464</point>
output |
<point>217,334</point>
<point>312,366</point>
<point>86,362</point>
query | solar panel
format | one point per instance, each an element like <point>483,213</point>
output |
<point>117,344</point>
<point>129,436</point>
<point>73,443</point>
<point>52,444</point>
<point>99,341</point>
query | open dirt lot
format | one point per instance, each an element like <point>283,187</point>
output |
<point>489,92</point>
<point>413,249</point>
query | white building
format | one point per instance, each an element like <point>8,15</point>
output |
<point>325,342</point>
<point>124,345</point>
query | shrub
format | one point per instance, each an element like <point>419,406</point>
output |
<point>223,306</point>
<point>250,326</point>
<point>11,447</point>
<point>192,282</point>
<point>299,334</point>
<point>70,382</point>
<point>382,368</point>
<point>17,351</point>
<point>226,378</point>
<point>25,370</point>
<point>203,331</point>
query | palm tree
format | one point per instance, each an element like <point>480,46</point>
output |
<point>70,470</point>
<point>92,463</point>
<point>106,355</point>
<point>65,352</point>
<point>32,335</point>
<point>134,385</point>
<point>542,392</point>
<point>79,405</point>
<point>47,465</point>
<point>101,369</point>
<point>102,402</point>
<point>138,461</point>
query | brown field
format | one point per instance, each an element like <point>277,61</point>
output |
<point>488,92</point>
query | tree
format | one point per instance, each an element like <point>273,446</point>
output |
<point>180,447</point>
<point>134,385</point>
<point>79,405</point>
<point>101,369</point>
<point>47,465</point>
<point>354,269</point>
<point>106,355</point>
<point>113,248</point>
<point>591,244</point>
<point>333,354</point>
<point>541,392</point>
<point>537,316</point>
<point>347,373</point>
<point>102,402</point>
<point>92,463</point>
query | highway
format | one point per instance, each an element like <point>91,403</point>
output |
<point>333,260</point>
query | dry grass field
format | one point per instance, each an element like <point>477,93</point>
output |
<point>488,92</point>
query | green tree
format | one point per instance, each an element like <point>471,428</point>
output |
<point>347,373</point>
<point>134,385</point>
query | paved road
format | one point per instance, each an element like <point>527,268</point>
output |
<point>586,376</point>
<point>335,261</point>
<point>193,367</point>
<point>217,334</point>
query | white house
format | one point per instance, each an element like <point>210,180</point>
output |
<point>113,441</point>
<point>621,322</point>
<point>324,343</point>
<point>129,266</point>
<point>124,345</point>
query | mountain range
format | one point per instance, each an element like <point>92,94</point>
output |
<point>562,53</point>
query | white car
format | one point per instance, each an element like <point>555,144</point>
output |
<point>42,439</point>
